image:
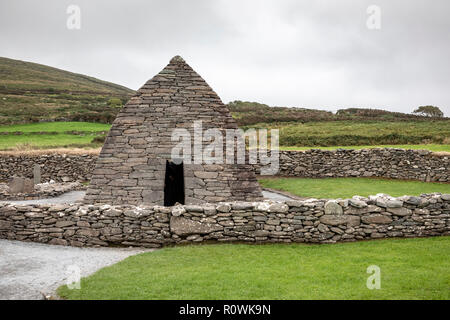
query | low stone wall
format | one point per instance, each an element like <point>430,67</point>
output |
<point>388,163</point>
<point>312,221</point>
<point>57,167</point>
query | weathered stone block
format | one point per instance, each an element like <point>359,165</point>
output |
<point>182,226</point>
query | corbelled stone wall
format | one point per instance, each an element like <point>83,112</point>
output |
<point>389,163</point>
<point>132,164</point>
<point>312,221</point>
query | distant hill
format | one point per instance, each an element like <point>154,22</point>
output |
<point>251,113</point>
<point>31,92</point>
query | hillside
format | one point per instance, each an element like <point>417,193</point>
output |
<point>252,113</point>
<point>31,92</point>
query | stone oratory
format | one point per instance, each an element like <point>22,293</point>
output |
<point>135,167</point>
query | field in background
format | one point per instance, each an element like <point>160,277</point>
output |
<point>354,133</point>
<point>410,269</point>
<point>52,135</point>
<point>329,188</point>
<point>81,134</point>
<point>31,92</point>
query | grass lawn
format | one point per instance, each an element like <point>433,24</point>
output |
<point>30,130</point>
<point>353,133</point>
<point>59,127</point>
<point>431,147</point>
<point>44,141</point>
<point>51,135</point>
<point>348,187</point>
<point>410,269</point>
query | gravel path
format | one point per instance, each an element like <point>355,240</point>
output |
<point>274,196</point>
<point>69,197</point>
<point>29,269</point>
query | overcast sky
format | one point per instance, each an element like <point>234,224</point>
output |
<point>298,53</point>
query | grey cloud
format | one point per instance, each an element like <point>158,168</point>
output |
<point>309,53</point>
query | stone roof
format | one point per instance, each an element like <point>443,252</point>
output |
<point>131,165</point>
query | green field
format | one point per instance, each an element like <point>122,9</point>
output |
<point>410,269</point>
<point>65,137</point>
<point>31,92</point>
<point>360,133</point>
<point>51,135</point>
<point>349,187</point>
<point>59,127</point>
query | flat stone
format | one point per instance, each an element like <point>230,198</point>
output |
<point>394,204</point>
<point>242,206</point>
<point>400,211</point>
<point>193,208</point>
<point>205,174</point>
<point>357,203</point>
<point>413,200</point>
<point>376,219</point>
<point>278,208</point>
<point>182,226</point>
<point>62,224</point>
<point>332,207</point>
<point>223,207</point>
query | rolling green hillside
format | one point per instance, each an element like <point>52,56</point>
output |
<point>69,103</point>
<point>31,92</point>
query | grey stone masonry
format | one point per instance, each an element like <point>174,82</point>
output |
<point>131,165</point>
<point>384,163</point>
<point>390,163</point>
<point>311,221</point>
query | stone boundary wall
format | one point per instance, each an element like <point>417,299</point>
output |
<point>310,221</point>
<point>57,167</point>
<point>388,163</point>
<point>420,165</point>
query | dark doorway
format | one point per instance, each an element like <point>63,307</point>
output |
<point>173,184</point>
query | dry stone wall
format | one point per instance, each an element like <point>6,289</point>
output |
<point>57,167</point>
<point>382,162</point>
<point>312,221</point>
<point>389,163</point>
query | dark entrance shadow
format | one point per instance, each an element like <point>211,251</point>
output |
<point>174,184</point>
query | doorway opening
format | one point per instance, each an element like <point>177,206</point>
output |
<point>174,184</point>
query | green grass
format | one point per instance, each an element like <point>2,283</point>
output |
<point>10,141</point>
<point>410,269</point>
<point>45,141</point>
<point>17,74</point>
<point>31,92</point>
<point>360,133</point>
<point>59,127</point>
<point>349,187</point>
<point>430,147</point>
<point>51,135</point>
